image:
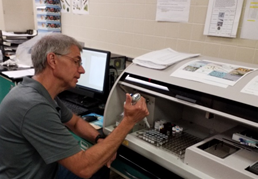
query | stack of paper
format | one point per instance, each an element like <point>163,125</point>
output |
<point>161,59</point>
<point>212,72</point>
<point>251,87</point>
<point>19,73</point>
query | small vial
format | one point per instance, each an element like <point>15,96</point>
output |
<point>173,131</point>
<point>156,125</point>
<point>177,132</point>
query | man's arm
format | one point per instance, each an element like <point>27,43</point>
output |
<point>86,163</point>
<point>82,128</point>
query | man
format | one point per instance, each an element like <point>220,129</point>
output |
<point>34,137</point>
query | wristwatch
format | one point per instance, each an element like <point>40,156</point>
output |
<point>100,136</point>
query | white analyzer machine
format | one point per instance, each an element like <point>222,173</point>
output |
<point>196,130</point>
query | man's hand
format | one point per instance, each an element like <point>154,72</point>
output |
<point>135,113</point>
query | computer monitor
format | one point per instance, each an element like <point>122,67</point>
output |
<point>94,82</point>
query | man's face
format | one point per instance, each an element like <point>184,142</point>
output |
<point>69,68</point>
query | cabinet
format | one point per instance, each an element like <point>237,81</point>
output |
<point>130,164</point>
<point>5,86</point>
<point>84,144</point>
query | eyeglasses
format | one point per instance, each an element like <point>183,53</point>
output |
<point>78,63</point>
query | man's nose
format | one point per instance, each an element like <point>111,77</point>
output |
<point>81,70</point>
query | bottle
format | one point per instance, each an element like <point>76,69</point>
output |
<point>120,118</point>
<point>135,98</point>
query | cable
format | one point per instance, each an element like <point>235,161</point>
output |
<point>115,70</point>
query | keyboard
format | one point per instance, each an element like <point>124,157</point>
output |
<point>90,102</point>
<point>75,107</point>
<point>86,102</point>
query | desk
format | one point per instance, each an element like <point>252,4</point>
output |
<point>5,86</point>
<point>84,144</point>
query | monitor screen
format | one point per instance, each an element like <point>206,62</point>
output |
<point>94,82</point>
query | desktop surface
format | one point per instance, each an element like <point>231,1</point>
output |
<point>9,68</point>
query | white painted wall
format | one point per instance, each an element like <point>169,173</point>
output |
<point>17,15</point>
<point>1,15</point>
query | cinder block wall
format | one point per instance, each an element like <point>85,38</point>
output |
<point>128,27</point>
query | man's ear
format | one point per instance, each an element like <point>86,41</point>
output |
<point>51,59</point>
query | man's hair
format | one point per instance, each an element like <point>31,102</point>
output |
<point>56,43</point>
